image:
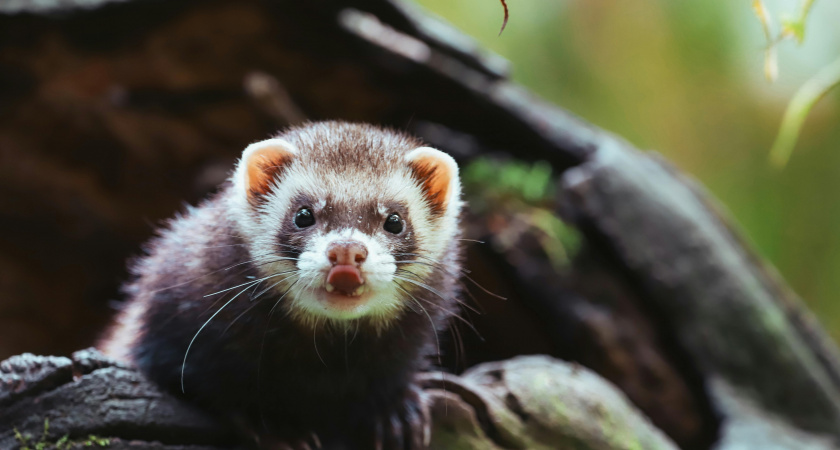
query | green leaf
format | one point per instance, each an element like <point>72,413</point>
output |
<point>62,443</point>
<point>794,28</point>
<point>22,438</point>
<point>797,111</point>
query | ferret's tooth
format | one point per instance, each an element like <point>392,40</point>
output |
<point>330,287</point>
<point>359,290</point>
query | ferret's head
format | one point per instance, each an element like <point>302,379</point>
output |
<point>345,221</point>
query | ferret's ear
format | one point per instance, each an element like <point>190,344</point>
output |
<point>261,164</point>
<point>437,174</point>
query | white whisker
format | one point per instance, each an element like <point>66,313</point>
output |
<point>184,363</point>
<point>431,322</point>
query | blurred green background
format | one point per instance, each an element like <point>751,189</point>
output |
<point>685,78</point>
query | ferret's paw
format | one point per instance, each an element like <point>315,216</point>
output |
<point>409,428</point>
<point>310,442</point>
<point>274,439</point>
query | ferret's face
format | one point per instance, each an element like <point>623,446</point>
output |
<point>344,233</point>
<point>348,255</point>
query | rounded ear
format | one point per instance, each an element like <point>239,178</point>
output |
<point>437,174</point>
<point>262,163</point>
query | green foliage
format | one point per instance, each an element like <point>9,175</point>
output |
<point>799,108</point>
<point>810,92</point>
<point>27,442</point>
<point>791,28</point>
<point>795,26</point>
<point>96,441</point>
<point>684,78</point>
<point>530,183</point>
<point>521,195</point>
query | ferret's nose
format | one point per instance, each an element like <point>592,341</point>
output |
<point>345,276</point>
<point>350,253</point>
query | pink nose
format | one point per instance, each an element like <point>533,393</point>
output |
<point>350,253</point>
<point>346,257</point>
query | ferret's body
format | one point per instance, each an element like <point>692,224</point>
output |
<point>303,297</point>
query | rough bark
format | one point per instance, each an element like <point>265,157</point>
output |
<point>525,403</point>
<point>46,398</point>
<point>112,113</point>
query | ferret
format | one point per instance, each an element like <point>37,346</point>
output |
<point>301,300</point>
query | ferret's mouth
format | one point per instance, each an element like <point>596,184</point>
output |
<point>344,279</point>
<point>357,292</point>
<point>344,286</point>
<point>342,301</point>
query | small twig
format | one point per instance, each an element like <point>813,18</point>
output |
<point>504,24</point>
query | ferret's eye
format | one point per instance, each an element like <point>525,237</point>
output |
<point>393,224</point>
<point>304,218</point>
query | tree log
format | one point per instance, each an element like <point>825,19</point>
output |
<point>526,403</point>
<point>114,112</point>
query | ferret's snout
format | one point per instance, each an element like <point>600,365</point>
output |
<point>345,276</point>
<point>349,253</point>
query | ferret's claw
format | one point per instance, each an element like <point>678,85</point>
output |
<point>396,432</point>
<point>407,428</point>
<point>270,442</point>
<point>379,435</point>
<point>316,440</point>
<point>389,433</point>
<point>413,424</point>
<point>417,420</point>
